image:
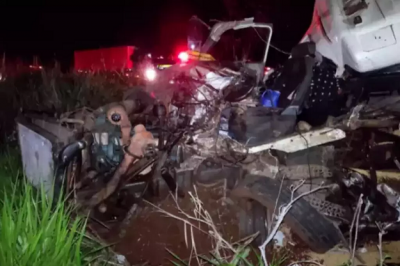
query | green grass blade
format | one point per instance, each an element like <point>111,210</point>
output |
<point>176,257</point>
<point>210,261</point>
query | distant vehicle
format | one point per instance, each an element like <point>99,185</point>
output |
<point>104,59</point>
<point>149,65</point>
<point>123,58</point>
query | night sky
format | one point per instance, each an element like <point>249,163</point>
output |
<point>57,30</point>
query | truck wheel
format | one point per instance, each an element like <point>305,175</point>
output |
<point>305,221</point>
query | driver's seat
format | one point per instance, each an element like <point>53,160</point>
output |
<point>259,125</point>
<point>294,81</point>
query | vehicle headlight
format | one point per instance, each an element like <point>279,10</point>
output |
<point>150,74</point>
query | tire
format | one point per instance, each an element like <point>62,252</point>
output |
<point>305,221</point>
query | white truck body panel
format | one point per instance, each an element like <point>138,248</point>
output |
<point>371,44</point>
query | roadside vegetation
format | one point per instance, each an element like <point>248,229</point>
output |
<point>53,92</point>
<point>38,231</point>
<point>239,259</point>
<point>34,229</point>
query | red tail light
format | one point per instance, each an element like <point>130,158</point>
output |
<point>183,56</point>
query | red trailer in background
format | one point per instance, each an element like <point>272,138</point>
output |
<point>114,58</point>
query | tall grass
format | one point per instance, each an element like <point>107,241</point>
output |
<point>10,169</point>
<point>55,92</point>
<point>36,231</point>
<point>52,90</point>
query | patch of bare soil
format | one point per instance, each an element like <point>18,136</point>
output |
<point>150,235</point>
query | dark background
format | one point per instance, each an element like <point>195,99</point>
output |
<point>56,30</point>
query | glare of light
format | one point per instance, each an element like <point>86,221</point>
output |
<point>161,57</point>
<point>150,74</point>
<point>267,70</point>
<point>183,56</point>
<point>149,55</point>
<point>192,46</point>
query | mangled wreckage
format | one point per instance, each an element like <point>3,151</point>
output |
<point>213,121</point>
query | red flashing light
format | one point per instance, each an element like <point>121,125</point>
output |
<point>183,56</point>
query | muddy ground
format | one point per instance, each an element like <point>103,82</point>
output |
<point>149,237</point>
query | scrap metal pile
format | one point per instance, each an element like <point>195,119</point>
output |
<point>209,122</point>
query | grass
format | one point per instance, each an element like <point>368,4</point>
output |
<point>33,230</point>
<point>10,169</point>
<point>239,259</point>
<point>54,92</point>
<point>51,90</point>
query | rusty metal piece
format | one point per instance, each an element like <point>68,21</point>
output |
<point>136,148</point>
<point>140,140</point>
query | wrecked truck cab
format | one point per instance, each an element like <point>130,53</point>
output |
<point>148,146</point>
<point>110,152</point>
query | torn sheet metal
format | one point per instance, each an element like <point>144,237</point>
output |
<point>302,141</point>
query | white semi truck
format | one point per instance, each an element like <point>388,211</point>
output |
<point>362,39</point>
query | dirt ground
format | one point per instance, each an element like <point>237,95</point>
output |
<point>153,233</point>
<point>150,237</point>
